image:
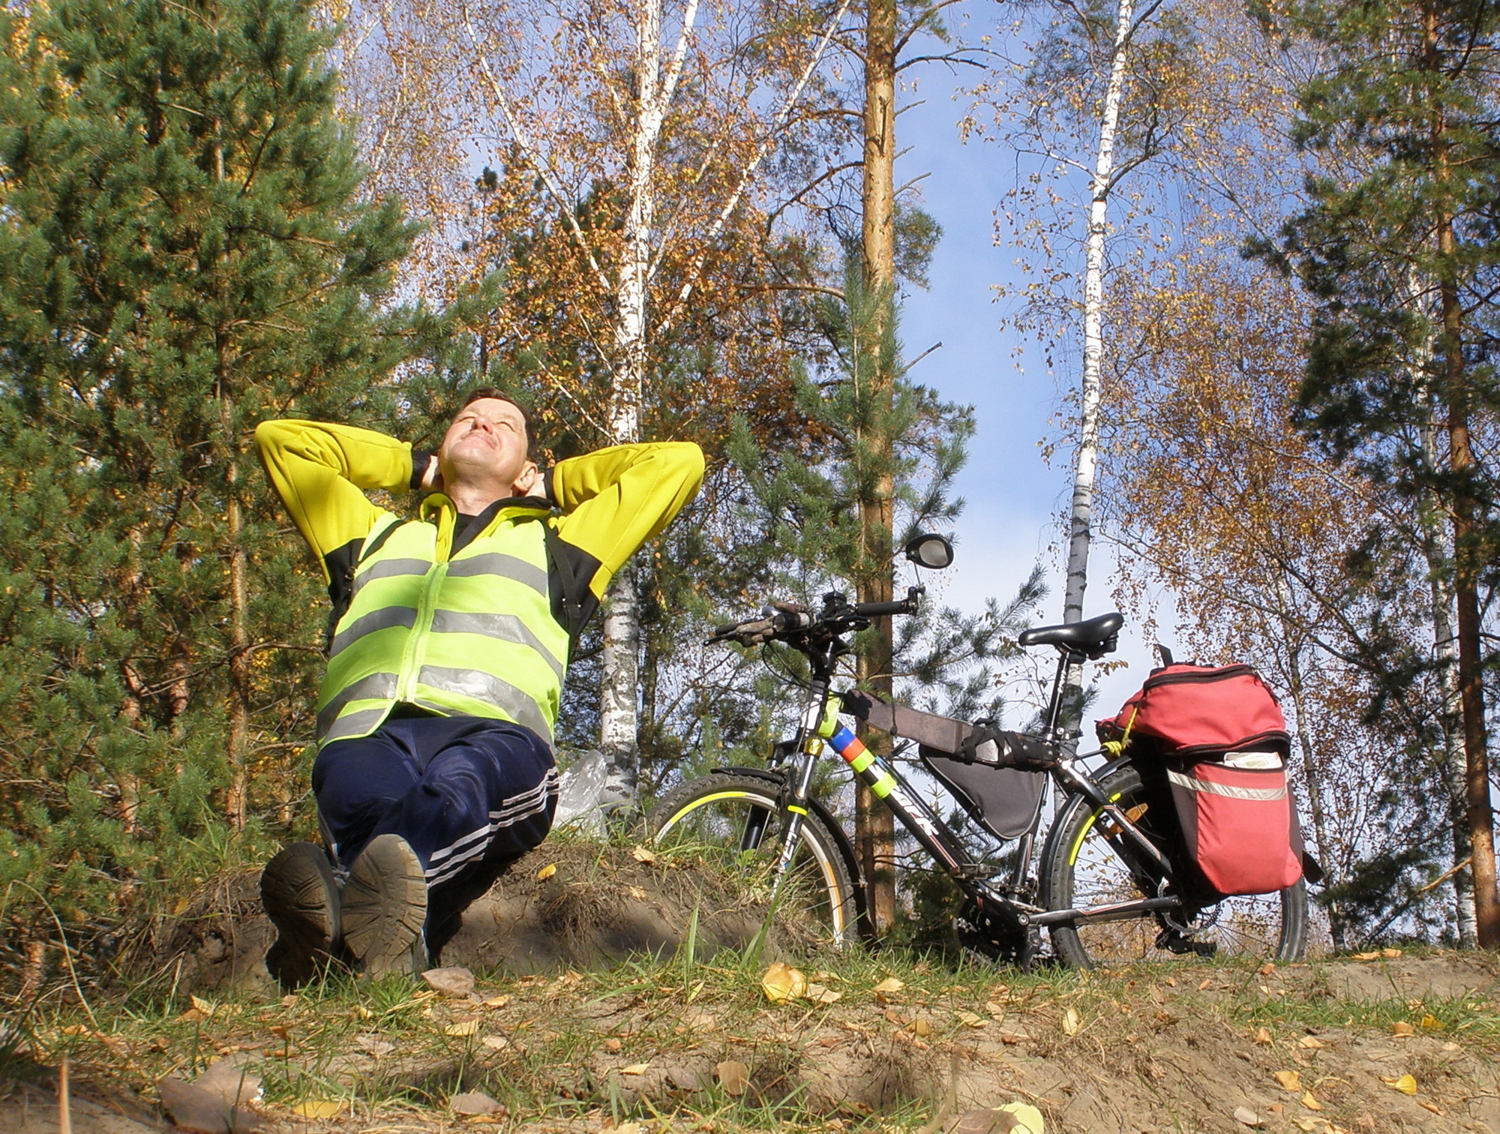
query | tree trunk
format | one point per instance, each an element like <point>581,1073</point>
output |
<point>1312,767</point>
<point>619,690</point>
<point>1438,552</point>
<point>1081,516</point>
<point>874,825</point>
<point>1467,537</point>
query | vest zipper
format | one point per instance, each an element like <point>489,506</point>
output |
<point>416,644</point>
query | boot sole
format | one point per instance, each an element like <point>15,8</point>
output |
<point>384,907</point>
<point>300,896</point>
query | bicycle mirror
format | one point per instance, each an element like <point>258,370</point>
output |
<point>928,549</point>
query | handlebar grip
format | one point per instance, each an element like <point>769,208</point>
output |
<point>724,631</point>
<point>876,609</point>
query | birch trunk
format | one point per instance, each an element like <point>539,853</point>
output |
<point>874,825</point>
<point>1081,517</point>
<point>655,82</point>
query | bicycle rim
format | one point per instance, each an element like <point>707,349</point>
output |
<point>734,824</point>
<point>1083,868</point>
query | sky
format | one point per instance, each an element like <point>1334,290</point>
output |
<point>1014,498</point>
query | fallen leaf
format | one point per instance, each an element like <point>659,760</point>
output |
<point>733,1076</point>
<point>634,1069</point>
<point>781,982</point>
<point>1406,1084</point>
<point>1245,1116</point>
<point>923,1028</point>
<point>1029,1119</point>
<point>468,1027</point>
<point>1402,1029</point>
<point>376,1047</point>
<point>820,994</point>
<point>889,985</point>
<point>1425,1105</point>
<point>1310,1102</point>
<point>204,1006</point>
<point>642,854</point>
<point>1262,1035</point>
<point>1372,956</point>
<point>546,872</point>
<point>319,1108</point>
<point>1289,1080</point>
<point>1203,986</point>
<point>363,1013</point>
<point>636,892</point>
<point>497,1002</point>
<point>1267,969</point>
<point>970,1019</point>
<point>1432,1024</point>
<point>1311,1042</point>
<point>474,1102</point>
<point>992,1120</point>
<point>496,1042</point>
<point>1392,953</point>
<point>612,1044</point>
<point>452,980</point>
<point>1070,1022</point>
<point>217,1102</point>
<point>1308,1125</point>
<point>995,1010</point>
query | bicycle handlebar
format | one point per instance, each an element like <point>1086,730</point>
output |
<point>876,609</point>
<point>836,617</point>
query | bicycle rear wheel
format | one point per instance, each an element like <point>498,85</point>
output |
<point>735,823</point>
<point>1082,866</point>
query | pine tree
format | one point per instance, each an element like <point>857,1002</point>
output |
<point>184,250</point>
<point>1401,262</point>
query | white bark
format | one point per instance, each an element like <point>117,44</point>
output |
<point>1080,527</point>
<point>655,83</point>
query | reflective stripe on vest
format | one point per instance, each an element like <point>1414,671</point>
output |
<point>473,636</point>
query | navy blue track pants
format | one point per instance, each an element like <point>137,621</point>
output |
<point>470,795</point>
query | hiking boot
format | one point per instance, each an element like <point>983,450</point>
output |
<point>301,898</point>
<point>384,906</point>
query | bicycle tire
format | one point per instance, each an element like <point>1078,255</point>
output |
<point>1081,867</point>
<point>712,815</point>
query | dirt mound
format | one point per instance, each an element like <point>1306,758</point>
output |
<point>565,905</point>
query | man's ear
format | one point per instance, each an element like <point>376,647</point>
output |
<point>529,483</point>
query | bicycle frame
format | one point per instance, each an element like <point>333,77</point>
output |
<point>887,784</point>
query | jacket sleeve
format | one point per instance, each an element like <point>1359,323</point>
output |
<point>616,499</point>
<point>321,472</point>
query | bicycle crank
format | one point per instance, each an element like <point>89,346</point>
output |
<point>996,933</point>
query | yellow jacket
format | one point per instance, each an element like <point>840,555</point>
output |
<point>423,614</point>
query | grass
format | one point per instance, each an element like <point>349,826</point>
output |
<point>566,1051</point>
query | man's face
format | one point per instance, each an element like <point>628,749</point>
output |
<point>486,445</point>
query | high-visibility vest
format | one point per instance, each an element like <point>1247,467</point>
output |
<point>469,636</point>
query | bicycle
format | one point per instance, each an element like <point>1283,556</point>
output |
<point>1110,885</point>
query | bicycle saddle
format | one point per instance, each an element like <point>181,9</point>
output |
<point>1096,634</point>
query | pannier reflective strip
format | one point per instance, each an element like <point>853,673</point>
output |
<point>1193,784</point>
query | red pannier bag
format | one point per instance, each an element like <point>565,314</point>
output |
<point>1220,738</point>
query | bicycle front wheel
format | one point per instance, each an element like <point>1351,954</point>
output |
<point>1082,867</point>
<point>736,824</point>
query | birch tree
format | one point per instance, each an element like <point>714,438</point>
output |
<point>629,140</point>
